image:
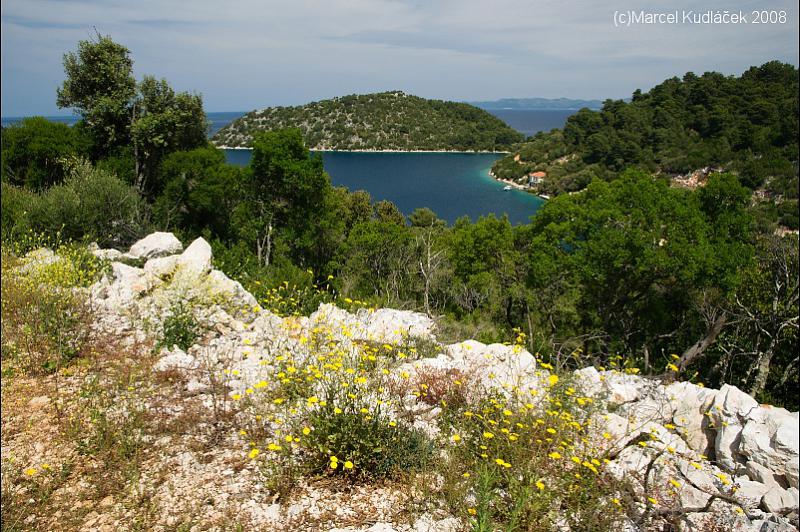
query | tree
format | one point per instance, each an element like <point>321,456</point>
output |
<point>359,208</point>
<point>388,212</point>
<point>284,191</point>
<point>100,86</point>
<point>765,313</point>
<point>379,260</point>
<point>200,192</point>
<point>33,152</point>
<point>163,122</point>
<point>118,112</point>
<point>424,217</point>
<point>484,260</point>
<point>641,255</point>
<point>430,251</point>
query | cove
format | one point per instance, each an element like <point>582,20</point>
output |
<point>451,184</point>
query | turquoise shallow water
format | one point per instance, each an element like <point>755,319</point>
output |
<point>451,184</point>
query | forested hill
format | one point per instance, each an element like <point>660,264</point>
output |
<point>382,121</point>
<point>747,125</point>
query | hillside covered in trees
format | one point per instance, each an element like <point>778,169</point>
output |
<point>383,121</point>
<point>747,125</point>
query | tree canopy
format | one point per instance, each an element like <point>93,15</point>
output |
<point>119,113</point>
<point>746,125</point>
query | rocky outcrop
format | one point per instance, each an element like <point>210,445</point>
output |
<point>720,454</point>
<point>154,245</point>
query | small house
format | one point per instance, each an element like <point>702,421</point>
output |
<point>536,178</point>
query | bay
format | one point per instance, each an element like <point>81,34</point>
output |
<point>450,184</point>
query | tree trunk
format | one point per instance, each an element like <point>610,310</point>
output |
<point>269,242</point>
<point>764,362</point>
<point>138,174</point>
<point>426,289</point>
<point>699,347</point>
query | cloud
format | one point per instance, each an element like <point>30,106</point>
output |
<point>246,54</point>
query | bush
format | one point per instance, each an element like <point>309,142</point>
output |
<point>363,441</point>
<point>180,328</point>
<point>16,202</point>
<point>33,151</point>
<point>523,463</point>
<point>90,204</point>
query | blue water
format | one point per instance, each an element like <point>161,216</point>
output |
<point>531,121</point>
<point>450,184</point>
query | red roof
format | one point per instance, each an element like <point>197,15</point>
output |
<point>539,174</point>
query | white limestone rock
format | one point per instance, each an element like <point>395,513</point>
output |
<point>689,405</point>
<point>790,471</point>
<point>623,388</point>
<point>391,325</point>
<point>779,501</point>
<point>771,523</point>
<point>631,461</point>
<point>588,381</point>
<point>611,432</point>
<point>749,492</point>
<point>770,438</point>
<point>161,266</point>
<point>176,358</point>
<point>497,365</point>
<point>222,285</point>
<point>154,245</point>
<point>107,254</point>
<point>382,325</point>
<point>126,285</point>
<point>730,411</point>
<point>760,473</point>
<point>195,259</point>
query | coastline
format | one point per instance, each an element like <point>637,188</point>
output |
<point>517,186</point>
<point>378,151</point>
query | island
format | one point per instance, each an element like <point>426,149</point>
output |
<point>387,121</point>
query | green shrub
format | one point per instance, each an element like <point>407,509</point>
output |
<point>90,204</point>
<point>366,438</point>
<point>16,203</point>
<point>524,463</point>
<point>180,328</point>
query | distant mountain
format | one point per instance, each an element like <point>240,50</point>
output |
<point>538,103</point>
<point>383,121</point>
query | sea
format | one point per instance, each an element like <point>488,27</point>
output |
<point>451,184</point>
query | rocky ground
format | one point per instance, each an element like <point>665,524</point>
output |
<point>177,424</point>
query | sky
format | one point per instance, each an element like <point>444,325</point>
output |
<point>249,54</point>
